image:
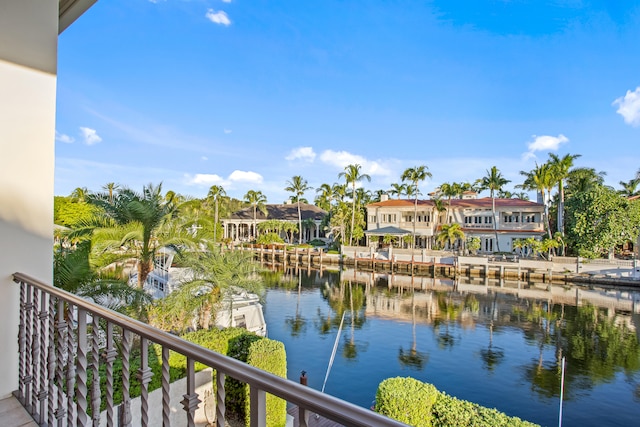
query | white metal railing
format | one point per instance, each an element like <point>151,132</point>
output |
<point>59,345</point>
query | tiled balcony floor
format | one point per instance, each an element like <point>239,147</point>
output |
<point>12,414</point>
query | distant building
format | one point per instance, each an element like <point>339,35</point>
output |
<point>514,219</point>
<point>239,226</point>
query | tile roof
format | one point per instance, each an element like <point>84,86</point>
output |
<point>283,212</point>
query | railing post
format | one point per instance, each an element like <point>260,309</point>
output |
<point>190,401</point>
<point>22,340</point>
<point>166,399</point>
<point>258,407</point>
<point>81,369</point>
<point>144,375</point>
<point>95,372</point>
<point>220,396</point>
<point>61,332</point>
<point>51,370</point>
<point>71,369</point>
<point>125,408</point>
<point>43,317</point>
<point>110,354</point>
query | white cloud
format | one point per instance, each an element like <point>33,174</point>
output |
<point>219,17</point>
<point>245,176</point>
<point>629,107</point>
<point>228,131</point>
<point>203,179</point>
<point>303,153</point>
<point>64,138</point>
<point>544,143</point>
<point>90,136</point>
<point>342,159</point>
<point>205,158</point>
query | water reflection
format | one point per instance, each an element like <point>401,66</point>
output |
<point>517,332</point>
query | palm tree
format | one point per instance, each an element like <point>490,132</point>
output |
<point>138,224</point>
<point>325,197</point>
<point>398,189</point>
<point>583,180</point>
<point>353,175</point>
<point>73,272</point>
<point>298,186</point>
<point>80,194</point>
<point>493,181</point>
<point>541,180</point>
<point>258,201</point>
<point>560,167</point>
<point>339,192</point>
<point>450,233</point>
<point>110,187</point>
<point>413,176</point>
<point>450,191</point>
<point>215,192</point>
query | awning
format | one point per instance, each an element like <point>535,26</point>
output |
<point>393,231</point>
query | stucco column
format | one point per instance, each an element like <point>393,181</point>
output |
<point>28,62</point>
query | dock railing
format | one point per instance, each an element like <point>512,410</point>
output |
<point>60,356</point>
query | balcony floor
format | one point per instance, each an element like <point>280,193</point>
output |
<point>13,414</point>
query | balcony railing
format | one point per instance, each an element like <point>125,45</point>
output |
<point>60,356</point>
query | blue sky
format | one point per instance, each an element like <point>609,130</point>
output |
<point>248,93</point>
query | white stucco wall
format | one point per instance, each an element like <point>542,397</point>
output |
<point>28,51</point>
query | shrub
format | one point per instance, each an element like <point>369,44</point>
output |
<point>265,354</point>
<point>268,238</point>
<point>269,355</point>
<point>407,400</point>
<point>420,404</point>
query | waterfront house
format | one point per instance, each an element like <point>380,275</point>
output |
<point>514,219</point>
<point>36,338</point>
<point>240,225</point>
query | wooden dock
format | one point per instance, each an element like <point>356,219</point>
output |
<point>314,420</point>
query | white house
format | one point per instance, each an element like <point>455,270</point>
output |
<point>513,219</point>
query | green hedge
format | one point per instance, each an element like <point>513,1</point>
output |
<point>407,400</point>
<point>420,404</point>
<point>268,355</point>
<point>238,343</point>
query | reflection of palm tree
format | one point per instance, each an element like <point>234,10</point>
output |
<point>491,356</point>
<point>449,311</point>
<point>297,323</point>
<point>412,358</point>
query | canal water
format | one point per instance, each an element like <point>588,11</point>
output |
<point>499,344</point>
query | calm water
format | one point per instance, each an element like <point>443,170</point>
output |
<point>499,346</point>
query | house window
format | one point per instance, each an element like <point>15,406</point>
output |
<point>488,220</point>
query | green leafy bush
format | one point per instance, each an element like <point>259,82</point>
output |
<point>420,404</point>
<point>407,400</point>
<point>238,343</point>
<point>263,353</point>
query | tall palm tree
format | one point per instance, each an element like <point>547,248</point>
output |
<point>413,176</point>
<point>493,181</point>
<point>215,192</point>
<point>352,175</point>
<point>298,186</point>
<point>80,194</point>
<point>110,187</point>
<point>339,192</point>
<point>450,191</point>
<point>583,180</point>
<point>560,167</point>
<point>629,188</point>
<point>325,197</point>
<point>258,201</point>
<point>541,180</point>
<point>398,189</point>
